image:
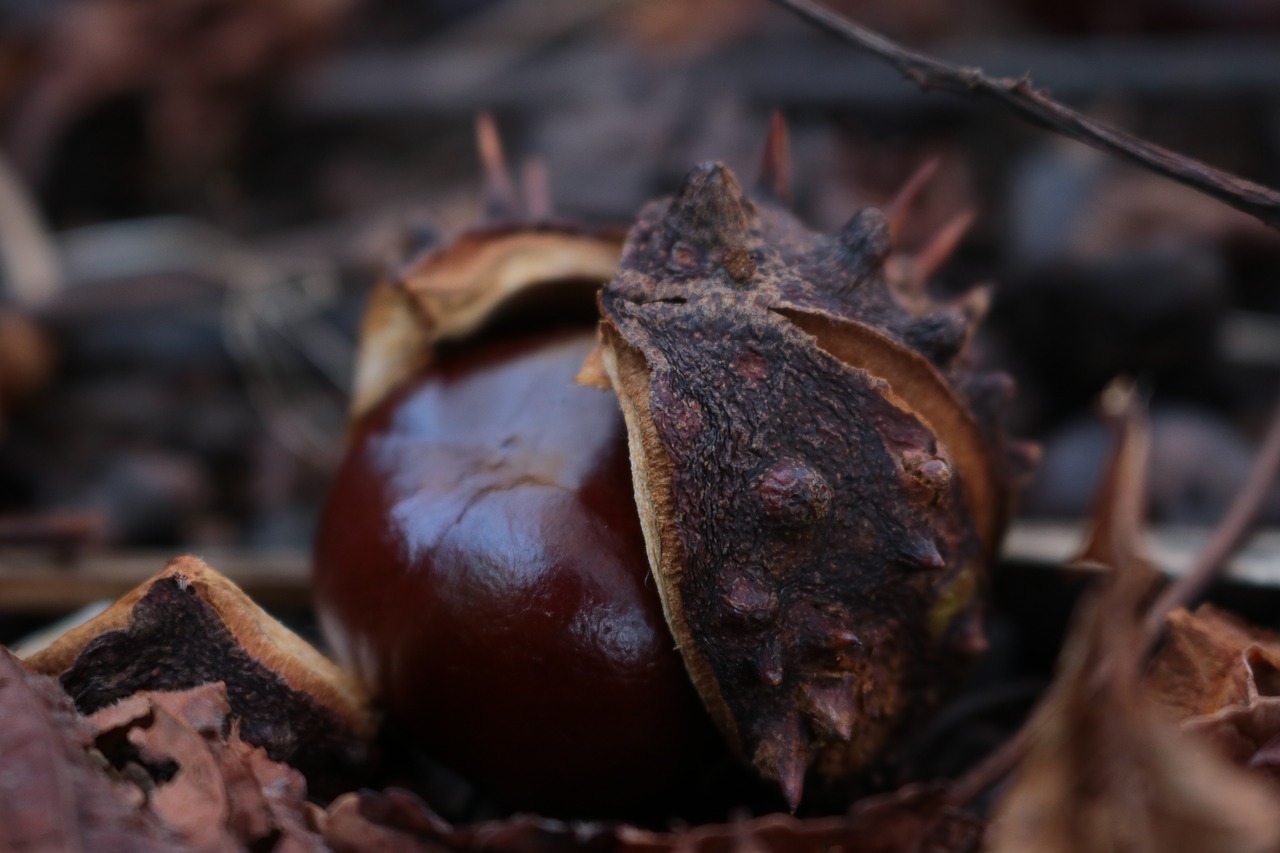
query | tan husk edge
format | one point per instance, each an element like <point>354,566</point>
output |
<point>448,293</point>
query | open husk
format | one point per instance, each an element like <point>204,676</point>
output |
<point>821,477</point>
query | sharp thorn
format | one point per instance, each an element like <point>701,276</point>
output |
<point>830,708</point>
<point>782,756</point>
<point>931,258</point>
<point>941,336</point>
<point>769,664</point>
<point>863,243</point>
<point>977,302</point>
<point>537,189</point>
<point>774,179</point>
<point>710,208</point>
<point>923,552</point>
<point>500,199</point>
<point>791,780</point>
<point>837,637</point>
<point>750,603</point>
<point>898,209</point>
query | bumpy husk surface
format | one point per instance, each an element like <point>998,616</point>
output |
<point>821,479</point>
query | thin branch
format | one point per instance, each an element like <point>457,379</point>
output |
<point>57,529</point>
<point>998,764</point>
<point>1035,106</point>
<point>1227,536</point>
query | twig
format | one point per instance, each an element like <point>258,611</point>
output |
<point>32,583</point>
<point>999,764</point>
<point>60,530</point>
<point>1035,106</point>
<point>1227,536</point>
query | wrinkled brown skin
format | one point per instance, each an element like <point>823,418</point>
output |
<point>480,563</point>
<point>819,477</point>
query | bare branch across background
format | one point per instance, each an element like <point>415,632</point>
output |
<point>1022,98</point>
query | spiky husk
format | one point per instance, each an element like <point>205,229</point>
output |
<point>818,491</point>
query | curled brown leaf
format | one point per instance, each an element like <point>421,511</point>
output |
<point>212,790</point>
<point>913,820</point>
<point>1105,770</point>
<point>1220,678</point>
<point>53,796</point>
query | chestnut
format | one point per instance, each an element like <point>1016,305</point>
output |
<point>481,559</point>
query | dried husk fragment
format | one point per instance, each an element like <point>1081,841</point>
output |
<point>53,796</point>
<point>190,626</point>
<point>449,290</point>
<point>821,478</point>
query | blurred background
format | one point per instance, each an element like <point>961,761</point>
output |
<point>196,195</point>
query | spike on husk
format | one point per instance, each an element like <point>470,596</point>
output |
<point>781,756</point>
<point>710,210</point>
<point>939,250</point>
<point>500,198</point>
<point>899,209</point>
<point>774,180</point>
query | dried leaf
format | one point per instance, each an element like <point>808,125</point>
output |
<point>212,789</point>
<point>914,820</point>
<point>190,626</point>
<point>1221,679</point>
<point>1105,770</point>
<point>1203,665</point>
<point>53,796</point>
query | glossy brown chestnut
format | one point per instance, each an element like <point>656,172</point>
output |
<point>480,563</point>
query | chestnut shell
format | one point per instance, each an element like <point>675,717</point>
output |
<point>480,564</point>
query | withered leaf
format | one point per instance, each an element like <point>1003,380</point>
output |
<point>1221,679</point>
<point>53,796</point>
<point>820,478</point>
<point>190,626</point>
<point>1202,666</point>
<point>914,820</point>
<point>210,788</point>
<point>1105,769</point>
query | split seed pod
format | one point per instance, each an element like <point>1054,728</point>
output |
<point>820,478</point>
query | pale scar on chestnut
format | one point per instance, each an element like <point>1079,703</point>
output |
<point>821,477</point>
